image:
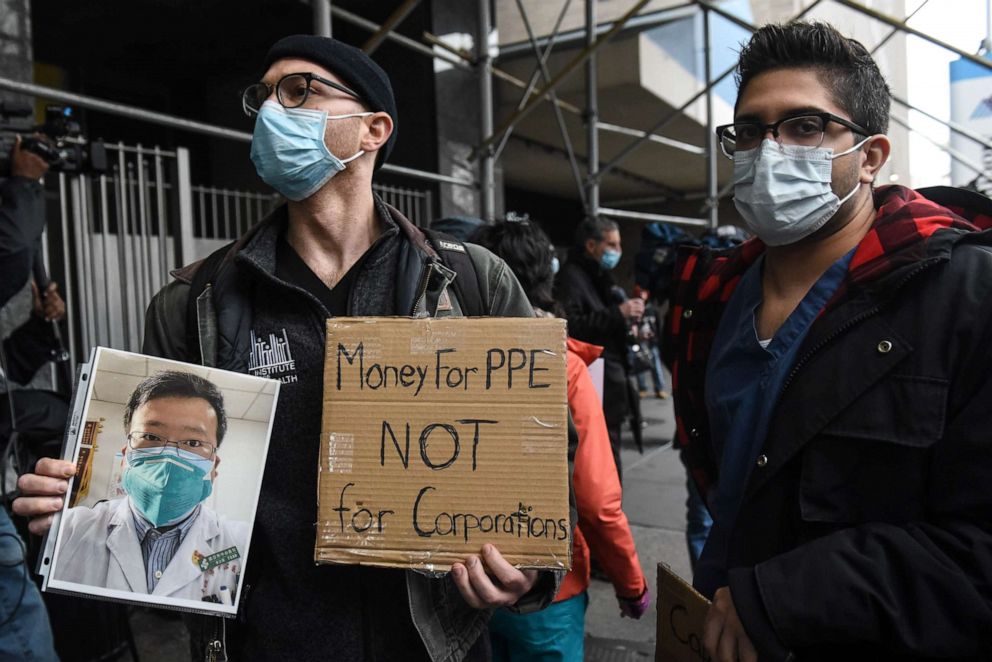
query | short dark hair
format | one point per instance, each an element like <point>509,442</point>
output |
<point>527,251</point>
<point>593,228</point>
<point>177,384</point>
<point>844,66</point>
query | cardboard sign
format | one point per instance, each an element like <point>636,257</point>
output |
<point>681,613</point>
<point>439,436</point>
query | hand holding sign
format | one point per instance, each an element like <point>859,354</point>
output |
<point>724,637</point>
<point>479,589</point>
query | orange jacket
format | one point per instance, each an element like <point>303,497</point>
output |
<point>602,525</point>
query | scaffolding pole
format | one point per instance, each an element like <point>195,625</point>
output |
<point>953,153</point>
<point>895,23</point>
<point>322,18</point>
<point>549,46</point>
<point>567,70</point>
<point>576,36</point>
<point>559,119</point>
<point>591,114</point>
<point>953,126</point>
<point>484,66</point>
<point>394,20</point>
<point>662,218</point>
<point>161,119</point>
<point>711,174</point>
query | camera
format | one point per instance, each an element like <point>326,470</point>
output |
<point>63,145</point>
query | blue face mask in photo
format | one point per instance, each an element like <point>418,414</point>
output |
<point>610,259</point>
<point>289,152</point>
<point>166,485</point>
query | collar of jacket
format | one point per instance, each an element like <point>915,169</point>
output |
<point>418,290</point>
<point>585,351</point>
<point>580,258</point>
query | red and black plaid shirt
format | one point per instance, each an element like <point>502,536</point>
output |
<point>704,281</point>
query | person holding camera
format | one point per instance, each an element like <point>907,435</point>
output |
<point>29,305</point>
<point>25,633</point>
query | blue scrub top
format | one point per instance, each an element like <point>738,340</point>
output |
<point>743,382</point>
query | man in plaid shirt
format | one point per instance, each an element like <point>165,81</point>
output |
<point>833,380</point>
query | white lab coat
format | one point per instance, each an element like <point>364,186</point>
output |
<point>100,548</point>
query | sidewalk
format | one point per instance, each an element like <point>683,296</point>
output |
<point>654,500</point>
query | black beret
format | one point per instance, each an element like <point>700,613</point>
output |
<point>351,65</point>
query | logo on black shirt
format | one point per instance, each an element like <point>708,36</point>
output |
<point>272,359</point>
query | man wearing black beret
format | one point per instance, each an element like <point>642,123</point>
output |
<point>325,119</point>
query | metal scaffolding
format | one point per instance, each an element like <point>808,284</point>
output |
<point>592,36</point>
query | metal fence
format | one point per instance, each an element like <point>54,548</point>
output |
<point>418,206</point>
<point>120,233</point>
<point>116,244</point>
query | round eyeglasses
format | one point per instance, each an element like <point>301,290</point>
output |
<point>151,442</point>
<point>292,91</point>
<point>805,130</point>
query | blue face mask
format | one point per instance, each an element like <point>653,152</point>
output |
<point>555,265</point>
<point>783,191</point>
<point>289,152</point>
<point>166,486</point>
<point>610,259</point>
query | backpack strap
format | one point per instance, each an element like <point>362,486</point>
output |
<point>202,278</point>
<point>454,255</point>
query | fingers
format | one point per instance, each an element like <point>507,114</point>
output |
<point>512,580</point>
<point>490,594</point>
<point>712,629</point>
<point>46,486</point>
<point>40,525</point>
<point>37,506</point>
<point>480,590</point>
<point>746,651</point>
<point>460,575</point>
<point>727,648</point>
<point>54,468</point>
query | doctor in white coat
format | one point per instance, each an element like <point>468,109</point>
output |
<point>161,539</point>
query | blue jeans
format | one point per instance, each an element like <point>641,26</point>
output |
<point>24,630</point>
<point>550,635</point>
<point>657,374</point>
<point>698,523</point>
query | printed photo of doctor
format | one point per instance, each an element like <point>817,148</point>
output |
<point>160,538</point>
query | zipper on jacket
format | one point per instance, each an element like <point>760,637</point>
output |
<point>850,323</point>
<point>432,265</point>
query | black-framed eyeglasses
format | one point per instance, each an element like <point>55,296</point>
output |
<point>806,130</point>
<point>292,91</point>
<point>156,443</point>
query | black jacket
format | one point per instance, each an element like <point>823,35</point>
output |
<point>583,289</point>
<point>22,220</point>
<point>865,531</point>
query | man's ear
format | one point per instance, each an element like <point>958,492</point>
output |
<point>591,246</point>
<point>213,472</point>
<point>380,127</point>
<point>876,154</point>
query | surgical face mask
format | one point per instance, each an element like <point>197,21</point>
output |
<point>555,265</point>
<point>166,485</point>
<point>783,191</point>
<point>289,152</point>
<point>609,259</point>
